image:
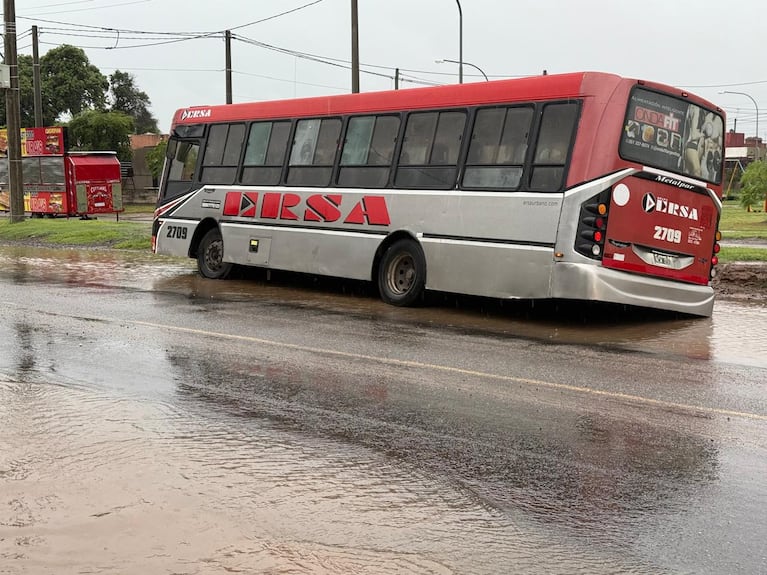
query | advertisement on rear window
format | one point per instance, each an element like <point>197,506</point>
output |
<point>675,135</point>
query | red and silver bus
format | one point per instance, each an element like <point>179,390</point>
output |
<point>584,186</point>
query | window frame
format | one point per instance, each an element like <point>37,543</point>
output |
<point>222,170</point>
<point>447,173</point>
<point>261,171</point>
<point>564,165</point>
<point>523,165</point>
<point>300,174</point>
<point>361,171</point>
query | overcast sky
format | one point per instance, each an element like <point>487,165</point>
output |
<point>288,48</point>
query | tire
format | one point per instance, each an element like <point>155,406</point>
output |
<point>402,273</point>
<point>210,256</point>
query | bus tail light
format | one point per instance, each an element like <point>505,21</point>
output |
<point>714,256</point>
<point>592,226</point>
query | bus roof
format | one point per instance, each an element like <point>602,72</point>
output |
<point>532,88</point>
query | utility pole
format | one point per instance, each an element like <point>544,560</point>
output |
<point>460,42</point>
<point>36,86</point>
<point>228,35</point>
<point>355,50</point>
<point>13,116</point>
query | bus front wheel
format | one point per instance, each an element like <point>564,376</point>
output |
<point>402,273</point>
<point>210,256</point>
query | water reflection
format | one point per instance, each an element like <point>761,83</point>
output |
<point>737,332</point>
<point>579,471</point>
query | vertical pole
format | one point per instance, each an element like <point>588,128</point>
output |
<point>396,78</point>
<point>355,50</point>
<point>228,37</point>
<point>460,42</point>
<point>13,116</point>
<point>36,86</point>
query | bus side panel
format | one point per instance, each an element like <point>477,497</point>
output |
<point>329,253</point>
<point>497,244</point>
<point>490,270</point>
<point>174,237</point>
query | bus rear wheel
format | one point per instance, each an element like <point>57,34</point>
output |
<point>402,273</point>
<point>210,256</point>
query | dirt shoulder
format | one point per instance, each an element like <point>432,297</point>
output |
<point>741,280</point>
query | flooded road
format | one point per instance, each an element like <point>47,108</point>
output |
<point>155,422</point>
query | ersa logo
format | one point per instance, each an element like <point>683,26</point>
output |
<point>194,114</point>
<point>652,204</point>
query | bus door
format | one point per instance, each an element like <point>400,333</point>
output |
<point>662,226</point>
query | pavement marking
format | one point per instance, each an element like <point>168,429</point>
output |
<point>461,371</point>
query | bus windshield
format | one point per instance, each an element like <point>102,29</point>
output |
<point>672,134</point>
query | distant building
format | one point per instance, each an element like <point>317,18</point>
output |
<point>739,152</point>
<point>738,147</point>
<point>139,186</point>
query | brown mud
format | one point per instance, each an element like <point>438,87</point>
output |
<point>741,280</point>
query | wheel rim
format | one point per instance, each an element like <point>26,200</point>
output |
<point>214,255</point>
<point>401,274</point>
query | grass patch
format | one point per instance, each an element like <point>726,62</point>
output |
<point>138,209</point>
<point>93,233</point>
<point>736,223</point>
<point>730,254</point>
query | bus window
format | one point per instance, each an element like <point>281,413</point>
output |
<point>554,138</point>
<point>368,151</point>
<point>265,153</point>
<point>498,148</point>
<point>314,151</point>
<point>183,161</point>
<point>672,134</point>
<point>222,153</point>
<point>430,150</point>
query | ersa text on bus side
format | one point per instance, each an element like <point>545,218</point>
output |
<point>371,210</point>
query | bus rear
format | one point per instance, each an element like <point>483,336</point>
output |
<point>656,214</point>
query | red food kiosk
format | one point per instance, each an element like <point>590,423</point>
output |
<point>60,182</point>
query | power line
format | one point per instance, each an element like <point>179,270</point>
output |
<point>97,7</point>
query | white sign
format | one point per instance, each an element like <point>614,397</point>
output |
<point>5,76</point>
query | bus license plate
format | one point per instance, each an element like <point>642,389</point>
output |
<point>663,260</point>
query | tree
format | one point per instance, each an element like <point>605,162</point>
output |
<point>100,130</point>
<point>26,92</point>
<point>70,84</point>
<point>155,159</point>
<point>753,185</point>
<point>127,98</point>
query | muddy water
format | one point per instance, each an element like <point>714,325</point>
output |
<point>125,471</point>
<point>737,331</point>
<point>100,480</point>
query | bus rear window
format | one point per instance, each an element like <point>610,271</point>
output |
<point>672,134</point>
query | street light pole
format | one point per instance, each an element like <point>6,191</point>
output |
<point>460,42</point>
<point>464,64</point>
<point>355,49</point>
<point>756,141</point>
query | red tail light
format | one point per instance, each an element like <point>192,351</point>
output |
<point>592,225</point>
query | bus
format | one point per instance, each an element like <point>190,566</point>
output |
<point>577,186</point>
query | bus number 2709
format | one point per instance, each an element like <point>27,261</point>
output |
<point>666,234</point>
<point>178,232</point>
